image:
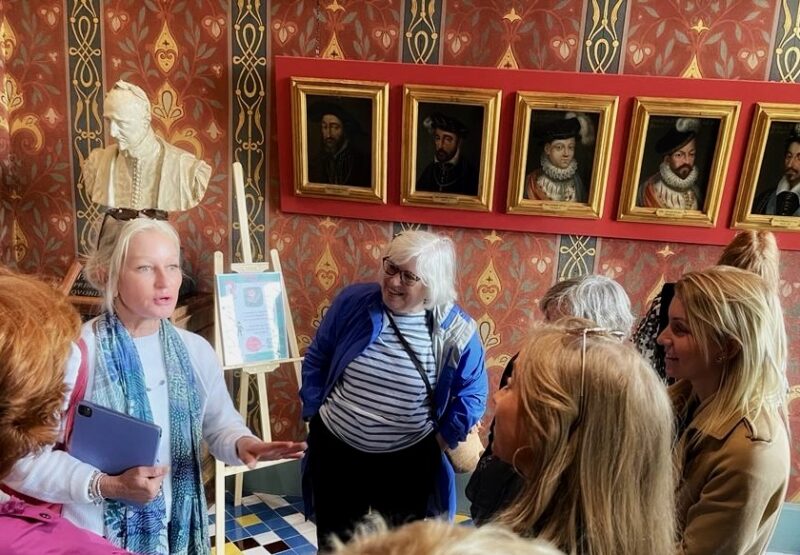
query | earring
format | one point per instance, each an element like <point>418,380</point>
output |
<point>720,359</point>
<point>514,460</point>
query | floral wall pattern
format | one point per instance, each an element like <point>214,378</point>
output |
<point>207,67</point>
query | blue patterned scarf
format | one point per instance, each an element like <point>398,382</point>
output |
<point>119,384</point>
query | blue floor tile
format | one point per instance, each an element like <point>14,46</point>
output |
<point>296,541</point>
<point>257,529</point>
<point>236,533</point>
<point>241,510</point>
<point>276,522</point>
<point>286,532</point>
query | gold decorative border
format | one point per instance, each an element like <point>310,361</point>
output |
<point>86,88</point>
<point>527,102</point>
<point>375,91</point>
<point>727,111</point>
<point>743,218</point>
<point>489,100</point>
<point>249,118</point>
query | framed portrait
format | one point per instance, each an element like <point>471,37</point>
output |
<point>449,146</point>
<point>769,192</point>
<point>339,135</point>
<point>560,154</point>
<point>677,154</point>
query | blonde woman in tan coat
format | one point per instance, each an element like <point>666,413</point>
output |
<point>726,347</point>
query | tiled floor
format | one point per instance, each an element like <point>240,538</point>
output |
<point>266,523</point>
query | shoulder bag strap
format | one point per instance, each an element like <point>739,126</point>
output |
<point>77,392</point>
<point>413,356</point>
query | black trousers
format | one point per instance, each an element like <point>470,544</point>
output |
<point>347,483</point>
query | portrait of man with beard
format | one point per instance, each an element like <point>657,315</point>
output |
<point>784,200</point>
<point>451,171</point>
<point>558,177</point>
<point>341,157</point>
<point>677,184</point>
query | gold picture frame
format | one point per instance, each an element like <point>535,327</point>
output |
<point>339,131</point>
<point>774,138</point>
<point>572,135</point>
<point>442,171</point>
<point>694,134</point>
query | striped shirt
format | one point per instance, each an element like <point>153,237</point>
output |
<point>381,404</point>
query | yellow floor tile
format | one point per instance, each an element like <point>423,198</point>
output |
<point>248,520</point>
<point>230,549</point>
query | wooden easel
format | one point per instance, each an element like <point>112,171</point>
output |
<point>258,371</point>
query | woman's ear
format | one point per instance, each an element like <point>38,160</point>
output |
<point>732,348</point>
<point>729,352</point>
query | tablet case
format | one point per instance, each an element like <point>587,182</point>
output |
<point>112,441</point>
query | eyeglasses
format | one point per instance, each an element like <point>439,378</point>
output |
<point>583,332</point>
<point>406,278</point>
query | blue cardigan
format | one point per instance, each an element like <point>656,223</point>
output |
<point>354,321</point>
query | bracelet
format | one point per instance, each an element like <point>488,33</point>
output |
<point>95,495</point>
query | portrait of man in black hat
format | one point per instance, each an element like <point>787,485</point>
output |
<point>783,199</point>
<point>452,169</point>
<point>557,176</point>
<point>678,183</point>
<point>336,139</point>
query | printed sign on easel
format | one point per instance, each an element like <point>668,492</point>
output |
<point>251,316</point>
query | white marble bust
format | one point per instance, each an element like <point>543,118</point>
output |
<point>141,170</point>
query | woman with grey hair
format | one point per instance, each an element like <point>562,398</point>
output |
<point>495,484</point>
<point>594,297</point>
<point>394,375</point>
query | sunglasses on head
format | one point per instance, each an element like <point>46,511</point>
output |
<point>583,333</point>
<point>126,214</point>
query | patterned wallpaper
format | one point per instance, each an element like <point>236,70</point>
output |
<point>207,66</point>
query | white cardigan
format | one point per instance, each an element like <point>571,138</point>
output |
<point>57,477</point>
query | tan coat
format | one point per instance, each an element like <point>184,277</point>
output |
<point>733,484</point>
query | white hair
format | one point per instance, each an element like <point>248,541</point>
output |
<point>436,262</point>
<point>594,297</point>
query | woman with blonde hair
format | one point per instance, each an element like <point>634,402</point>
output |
<point>437,537</point>
<point>586,423</point>
<point>140,364</point>
<point>726,347</point>
<point>494,484</point>
<point>755,251</point>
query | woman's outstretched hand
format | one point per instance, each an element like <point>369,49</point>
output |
<point>251,450</point>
